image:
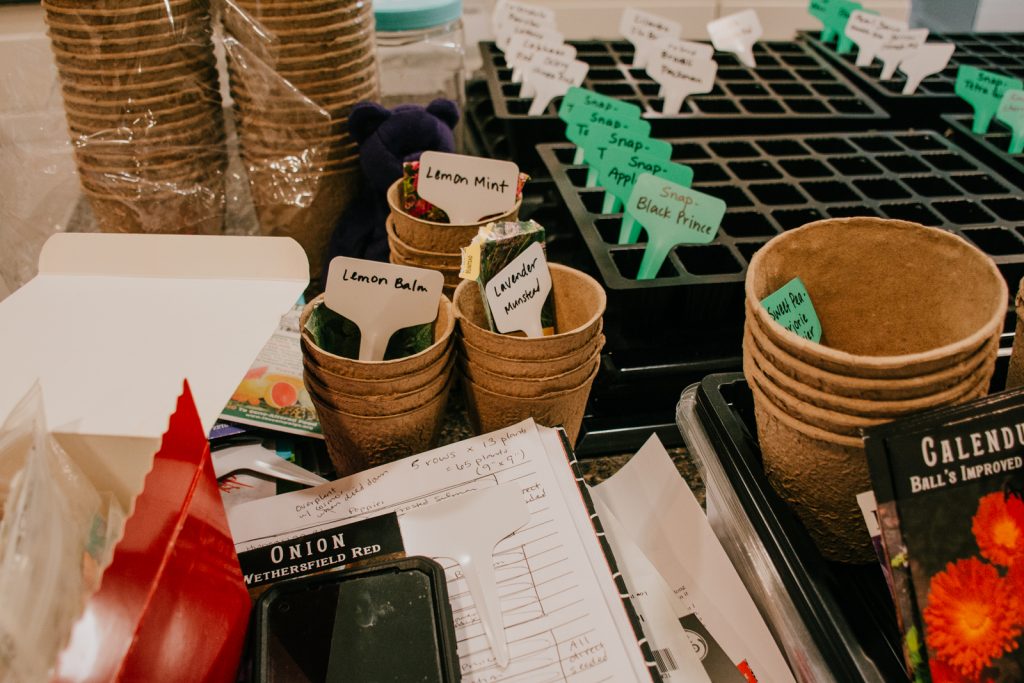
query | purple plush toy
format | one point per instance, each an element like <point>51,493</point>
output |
<point>387,138</point>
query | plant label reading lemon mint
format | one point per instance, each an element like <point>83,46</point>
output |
<point>602,138</point>
<point>1011,113</point>
<point>930,58</point>
<point>671,214</point>
<point>523,49</point>
<point>645,31</point>
<point>381,298</point>
<point>819,10</point>
<point>680,75</point>
<point>467,188</point>
<point>548,80</point>
<point>837,15</point>
<point>517,293</point>
<point>870,31</point>
<point>983,90</point>
<point>619,170</point>
<point>897,47</point>
<point>737,33</point>
<point>791,307</point>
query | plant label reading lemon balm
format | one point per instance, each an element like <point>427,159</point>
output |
<point>645,31</point>
<point>548,81</point>
<point>983,90</point>
<point>523,49</point>
<point>791,307</point>
<point>897,47</point>
<point>671,214</point>
<point>517,293</point>
<point>381,298</point>
<point>930,58</point>
<point>836,17</point>
<point>468,188</point>
<point>1011,113</point>
<point>737,33</point>
<point>870,31</point>
<point>681,74</point>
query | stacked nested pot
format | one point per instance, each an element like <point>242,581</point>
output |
<point>421,243</point>
<point>508,378</point>
<point>296,70</point>
<point>910,320</point>
<point>144,112</point>
<point>374,412</point>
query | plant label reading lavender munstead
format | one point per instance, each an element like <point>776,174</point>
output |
<point>1011,113</point>
<point>898,46</point>
<point>681,74</point>
<point>381,298</point>
<point>950,490</point>
<point>791,307</point>
<point>737,33</point>
<point>517,293</point>
<point>983,90</point>
<point>819,9</point>
<point>467,188</point>
<point>548,81</point>
<point>870,31</point>
<point>930,58</point>
<point>836,17</point>
<point>671,214</point>
<point>645,31</point>
<point>523,49</point>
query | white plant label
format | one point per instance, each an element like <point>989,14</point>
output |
<point>517,293</point>
<point>681,49</point>
<point>548,82</point>
<point>737,33</point>
<point>513,25</point>
<point>523,49</point>
<point>467,188</point>
<point>870,32</point>
<point>513,10</point>
<point>381,298</point>
<point>898,47</point>
<point>681,77</point>
<point>645,31</point>
<point>549,63</point>
<point>930,58</point>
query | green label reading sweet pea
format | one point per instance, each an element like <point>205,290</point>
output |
<point>1011,114</point>
<point>983,90</point>
<point>836,15</point>
<point>611,107</point>
<point>671,214</point>
<point>791,307</point>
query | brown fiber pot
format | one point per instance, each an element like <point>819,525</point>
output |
<point>530,369</point>
<point>444,325</point>
<point>1015,375</point>
<point>410,253</point>
<point>356,443</point>
<point>529,387</point>
<point>579,304</point>
<point>819,475</point>
<point>379,405</point>
<point>895,299</point>
<point>981,375</point>
<point>868,388</point>
<point>489,411</point>
<point>433,236</point>
<point>353,387</point>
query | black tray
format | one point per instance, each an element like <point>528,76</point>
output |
<point>992,147</point>
<point>999,52</point>
<point>847,608</point>
<point>772,184</point>
<point>792,89</point>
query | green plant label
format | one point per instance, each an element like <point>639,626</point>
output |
<point>837,14</point>
<point>791,307</point>
<point>671,214</point>
<point>579,123</point>
<point>819,10</point>
<point>1011,113</point>
<point>618,173</point>
<point>983,90</point>
<point>609,106</point>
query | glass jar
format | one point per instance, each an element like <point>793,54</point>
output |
<point>421,52</point>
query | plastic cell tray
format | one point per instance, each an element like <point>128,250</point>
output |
<point>993,147</point>
<point>791,89</point>
<point>999,52</point>
<point>772,184</point>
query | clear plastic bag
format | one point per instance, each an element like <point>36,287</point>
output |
<point>56,535</point>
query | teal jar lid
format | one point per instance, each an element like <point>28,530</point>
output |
<point>413,15</point>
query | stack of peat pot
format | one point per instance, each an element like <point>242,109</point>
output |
<point>910,320</point>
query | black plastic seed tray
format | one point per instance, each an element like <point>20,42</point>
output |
<point>992,147</point>
<point>772,184</point>
<point>792,89</point>
<point>999,52</point>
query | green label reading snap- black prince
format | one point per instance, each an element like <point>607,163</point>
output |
<point>671,212</point>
